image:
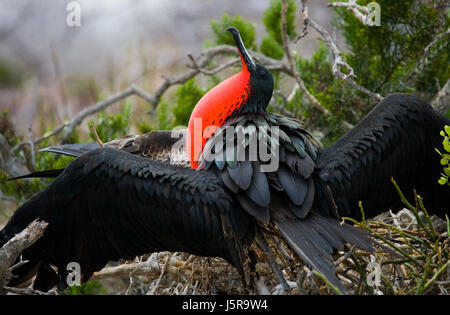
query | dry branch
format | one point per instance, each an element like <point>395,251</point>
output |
<point>290,59</point>
<point>425,60</point>
<point>441,101</point>
<point>359,11</point>
<point>198,66</point>
<point>291,62</point>
<point>336,58</point>
<point>8,161</point>
<point>149,268</point>
<point>12,249</point>
<point>29,291</point>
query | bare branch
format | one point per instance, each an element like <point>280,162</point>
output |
<point>29,291</point>
<point>359,11</point>
<point>290,59</point>
<point>4,197</point>
<point>282,108</point>
<point>198,66</point>
<point>69,126</point>
<point>32,148</point>
<point>8,161</point>
<point>441,101</point>
<point>211,71</point>
<point>337,60</point>
<point>149,268</point>
<point>12,249</point>
<point>426,58</point>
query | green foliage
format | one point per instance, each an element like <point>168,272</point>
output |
<point>20,190</point>
<point>445,161</point>
<point>108,127</point>
<point>187,96</point>
<point>144,127</point>
<point>384,57</point>
<point>113,126</point>
<point>87,288</point>
<point>272,19</point>
<point>338,98</point>
<point>272,43</point>
<point>165,117</point>
<point>271,48</point>
<point>220,37</point>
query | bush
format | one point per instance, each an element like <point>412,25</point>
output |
<point>445,161</point>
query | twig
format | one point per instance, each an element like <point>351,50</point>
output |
<point>335,55</point>
<point>282,108</point>
<point>214,70</point>
<point>163,269</point>
<point>12,249</point>
<point>262,242</point>
<point>32,147</point>
<point>425,60</point>
<point>29,291</point>
<point>261,286</point>
<point>290,59</point>
<point>199,67</point>
<point>291,62</point>
<point>95,134</point>
<point>6,198</point>
<point>148,268</point>
<point>8,161</point>
<point>441,101</point>
<point>359,11</point>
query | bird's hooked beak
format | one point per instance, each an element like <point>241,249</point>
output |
<point>248,63</point>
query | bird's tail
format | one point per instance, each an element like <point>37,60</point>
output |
<point>316,237</point>
<point>74,150</point>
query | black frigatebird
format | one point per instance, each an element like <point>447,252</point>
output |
<point>128,199</point>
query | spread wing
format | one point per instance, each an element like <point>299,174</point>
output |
<point>396,139</point>
<point>109,204</point>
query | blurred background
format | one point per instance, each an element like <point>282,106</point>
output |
<point>48,66</point>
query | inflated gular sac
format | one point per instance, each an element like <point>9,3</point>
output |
<point>295,186</point>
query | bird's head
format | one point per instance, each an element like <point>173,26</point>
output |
<point>260,82</point>
<point>250,90</point>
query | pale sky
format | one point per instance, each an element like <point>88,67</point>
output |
<point>111,28</point>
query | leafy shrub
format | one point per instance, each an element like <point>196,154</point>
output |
<point>445,161</point>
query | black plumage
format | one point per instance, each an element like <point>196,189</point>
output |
<point>119,202</point>
<point>94,218</point>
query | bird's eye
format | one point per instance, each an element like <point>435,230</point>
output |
<point>262,73</point>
